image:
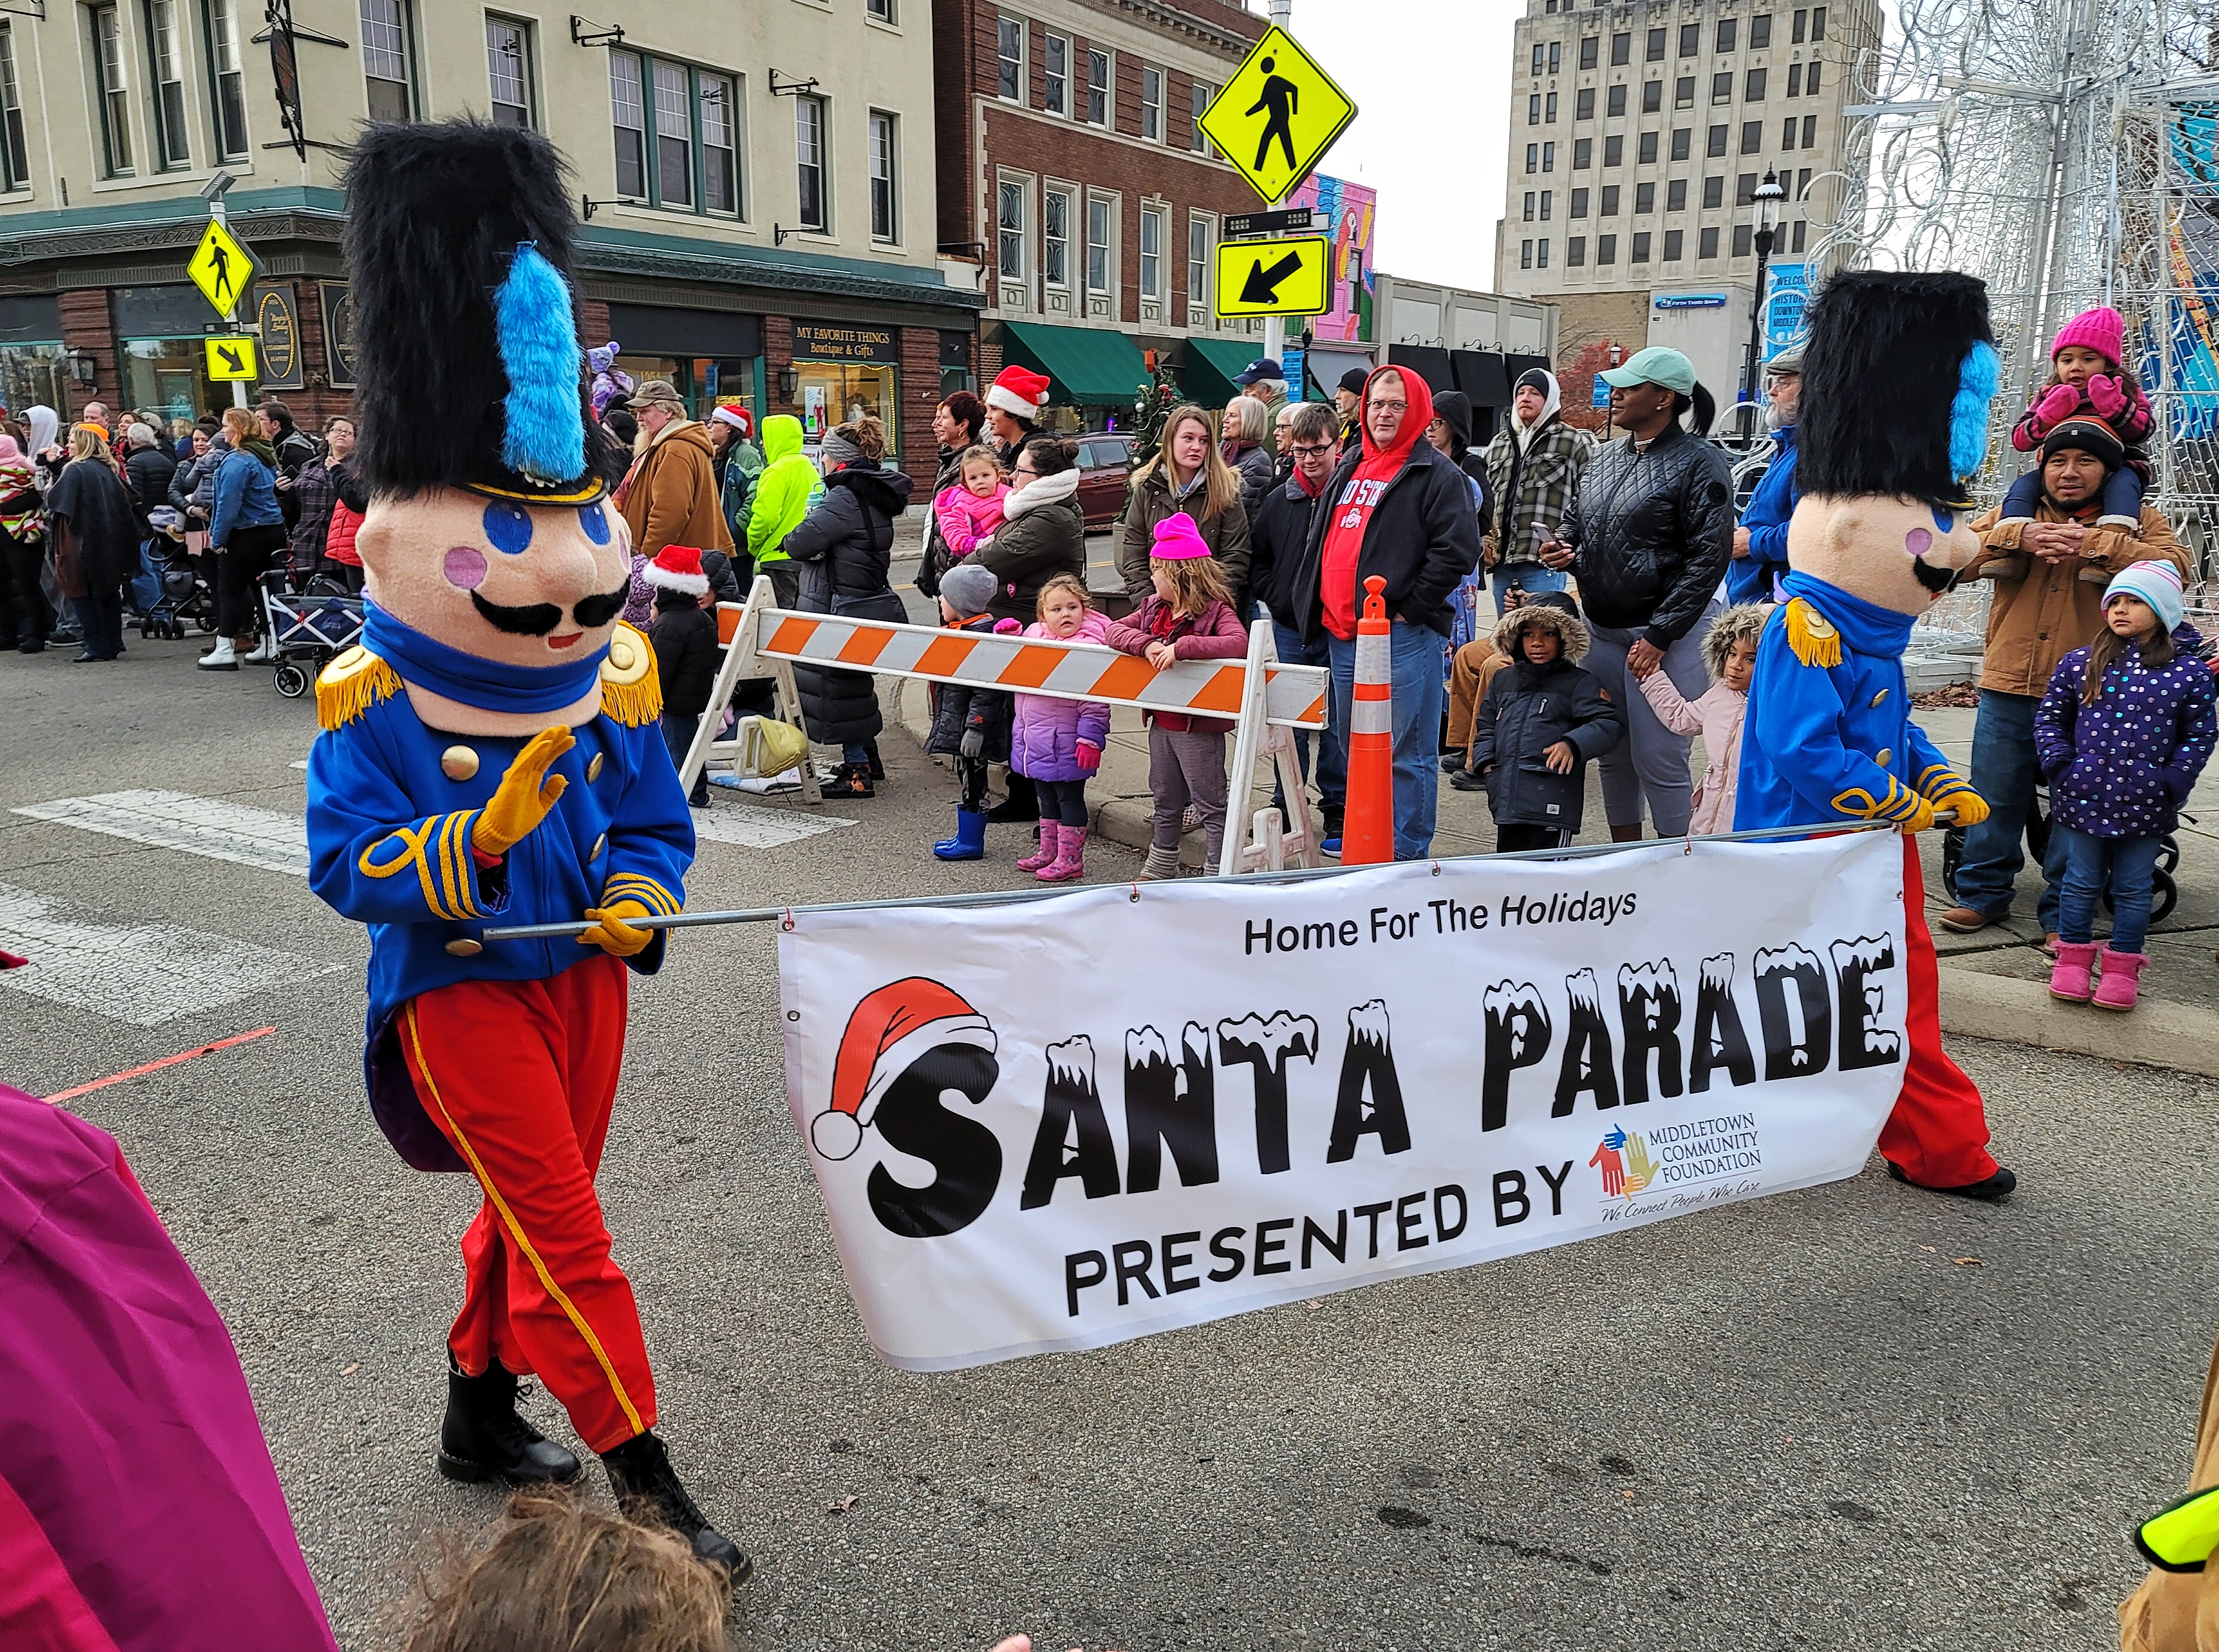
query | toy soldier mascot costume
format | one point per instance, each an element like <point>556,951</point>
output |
<point>1896,379</point>
<point>491,755</point>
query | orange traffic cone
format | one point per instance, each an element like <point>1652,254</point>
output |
<point>1368,827</point>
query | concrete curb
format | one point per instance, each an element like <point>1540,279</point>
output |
<point>2158,1034</point>
<point>2180,1037</point>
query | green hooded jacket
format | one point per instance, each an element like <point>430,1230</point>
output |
<point>788,487</point>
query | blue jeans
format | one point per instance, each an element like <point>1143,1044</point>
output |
<point>1415,671</point>
<point>1332,761</point>
<point>1529,577</point>
<point>2005,773</point>
<point>2128,863</point>
<point>144,585</point>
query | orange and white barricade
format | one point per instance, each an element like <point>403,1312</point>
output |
<point>1265,698</point>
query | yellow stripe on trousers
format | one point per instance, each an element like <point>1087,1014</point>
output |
<point>516,1229</point>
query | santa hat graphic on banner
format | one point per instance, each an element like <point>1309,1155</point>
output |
<point>677,568</point>
<point>1019,392</point>
<point>889,1029</point>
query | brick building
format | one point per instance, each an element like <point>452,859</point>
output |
<point>757,186</point>
<point>1071,167</point>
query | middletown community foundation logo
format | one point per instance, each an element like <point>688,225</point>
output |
<point>1677,1155</point>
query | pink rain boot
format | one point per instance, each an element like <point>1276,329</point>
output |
<point>2068,977</point>
<point>1070,863</point>
<point>1045,853</point>
<point>2121,982</point>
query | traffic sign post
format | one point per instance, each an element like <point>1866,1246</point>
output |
<point>221,268</point>
<point>1283,278</point>
<point>1274,121</point>
<point>231,358</point>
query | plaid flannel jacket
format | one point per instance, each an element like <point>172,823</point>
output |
<point>1547,476</point>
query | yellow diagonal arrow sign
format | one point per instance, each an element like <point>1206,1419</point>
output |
<point>1281,277</point>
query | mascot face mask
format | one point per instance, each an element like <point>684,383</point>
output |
<point>523,585</point>
<point>1887,440</point>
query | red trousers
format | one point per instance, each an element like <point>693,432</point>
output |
<point>521,1076</point>
<point>1938,1134</point>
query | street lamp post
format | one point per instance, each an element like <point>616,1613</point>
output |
<point>1767,198</point>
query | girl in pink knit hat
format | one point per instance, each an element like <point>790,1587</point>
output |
<point>1188,616</point>
<point>2087,381</point>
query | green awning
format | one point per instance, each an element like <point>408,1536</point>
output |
<point>1207,367</point>
<point>1088,367</point>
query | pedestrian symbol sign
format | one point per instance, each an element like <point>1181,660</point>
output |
<point>231,358</point>
<point>1277,115</point>
<point>221,267</point>
<point>1282,277</point>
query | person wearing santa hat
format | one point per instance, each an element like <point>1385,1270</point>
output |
<point>738,461</point>
<point>685,637</point>
<point>1014,402</point>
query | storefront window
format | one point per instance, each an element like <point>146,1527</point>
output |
<point>169,375</point>
<point>33,375</point>
<point>701,382</point>
<point>846,370</point>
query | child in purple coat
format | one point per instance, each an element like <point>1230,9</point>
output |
<point>2122,733</point>
<point>1187,617</point>
<point>1057,743</point>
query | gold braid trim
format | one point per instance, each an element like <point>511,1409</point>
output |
<point>350,684</point>
<point>631,687</point>
<point>1812,635</point>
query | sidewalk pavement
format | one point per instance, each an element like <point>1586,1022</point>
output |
<point>1994,983</point>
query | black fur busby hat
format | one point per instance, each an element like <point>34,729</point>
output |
<point>458,242</point>
<point>1898,373</point>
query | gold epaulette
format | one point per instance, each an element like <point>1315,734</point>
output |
<point>350,684</point>
<point>631,690</point>
<point>1812,635</point>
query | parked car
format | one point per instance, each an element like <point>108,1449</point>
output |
<point>1105,463</point>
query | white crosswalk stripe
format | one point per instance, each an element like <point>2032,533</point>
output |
<point>142,974</point>
<point>752,828</point>
<point>237,832</point>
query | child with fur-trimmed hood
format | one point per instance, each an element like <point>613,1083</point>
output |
<point>1543,721</point>
<point>1730,656</point>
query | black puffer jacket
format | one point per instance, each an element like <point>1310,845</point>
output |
<point>685,638</point>
<point>843,547</point>
<point>935,559</point>
<point>1653,529</point>
<point>1530,708</point>
<point>1036,541</point>
<point>1278,529</point>
<point>149,471</point>
<point>958,706</point>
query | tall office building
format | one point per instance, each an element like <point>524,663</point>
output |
<point>1638,134</point>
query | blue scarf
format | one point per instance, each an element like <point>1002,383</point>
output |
<point>1866,627</point>
<point>471,679</point>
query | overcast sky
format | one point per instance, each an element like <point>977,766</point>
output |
<point>1432,84</point>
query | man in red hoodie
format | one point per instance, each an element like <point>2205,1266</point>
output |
<point>1399,508</point>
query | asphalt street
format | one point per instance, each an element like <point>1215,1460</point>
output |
<point>1855,1416</point>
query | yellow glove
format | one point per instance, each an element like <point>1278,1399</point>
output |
<point>524,795</point>
<point>1921,817</point>
<point>1972,808</point>
<point>612,933</point>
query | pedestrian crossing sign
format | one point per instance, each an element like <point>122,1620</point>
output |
<point>231,358</point>
<point>221,267</point>
<point>1277,115</point>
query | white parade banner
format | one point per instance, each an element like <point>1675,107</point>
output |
<point>1066,1123</point>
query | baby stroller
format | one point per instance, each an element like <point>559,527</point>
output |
<point>186,597</point>
<point>310,621</point>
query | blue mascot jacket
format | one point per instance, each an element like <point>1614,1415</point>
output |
<point>391,803</point>
<point>1829,737</point>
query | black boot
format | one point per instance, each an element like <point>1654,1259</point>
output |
<point>648,1489</point>
<point>483,1438</point>
<point>1022,803</point>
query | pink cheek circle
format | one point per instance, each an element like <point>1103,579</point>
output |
<point>465,568</point>
<point>1917,542</point>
